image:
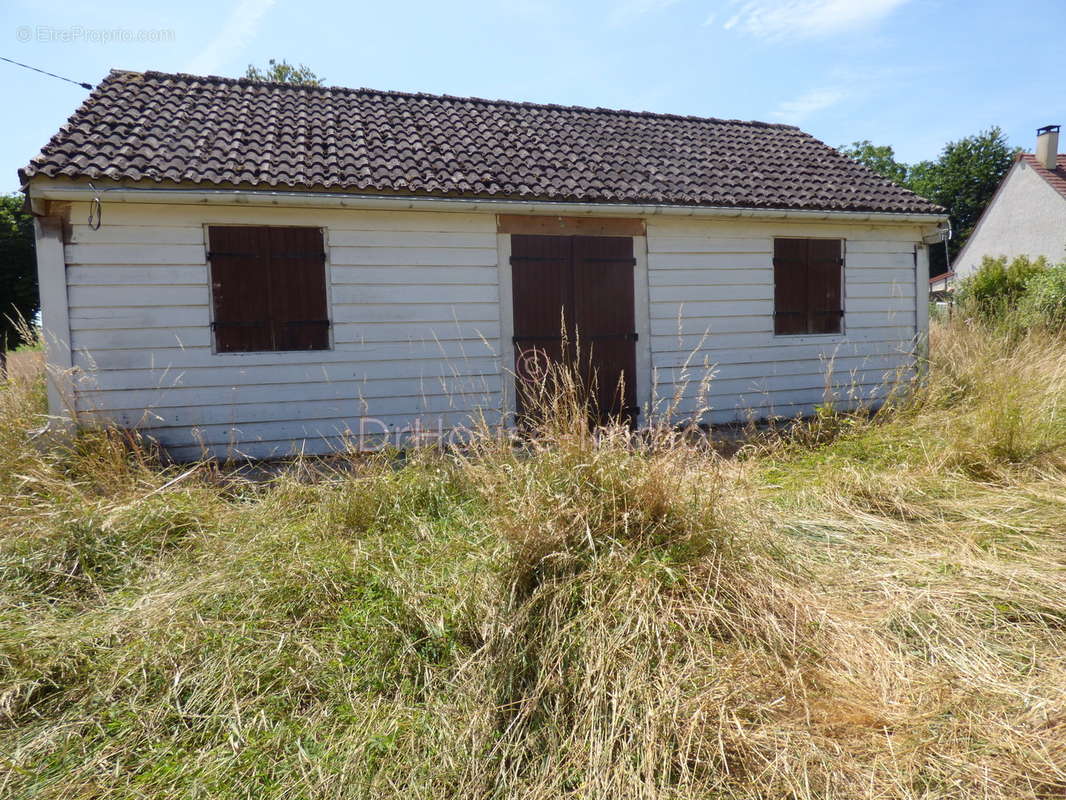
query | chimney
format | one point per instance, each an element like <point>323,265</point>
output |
<point>1047,146</point>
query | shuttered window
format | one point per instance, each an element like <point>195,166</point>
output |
<point>807,286</point>
<point>268,288</point>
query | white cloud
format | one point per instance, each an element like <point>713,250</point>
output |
<point>798,109</point>
<point>631,10</point>
<point>235,34</point>
<point>802,19</point>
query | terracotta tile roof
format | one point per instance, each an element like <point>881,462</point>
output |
<point>1056,177</point>
<point>181,128</point>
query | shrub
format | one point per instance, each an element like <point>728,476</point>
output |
<point>1044,301</point>
<point>995,288</point>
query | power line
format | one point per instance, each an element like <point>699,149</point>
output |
<point>51,74</point>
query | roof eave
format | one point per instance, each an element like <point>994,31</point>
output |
<point>49,189</point>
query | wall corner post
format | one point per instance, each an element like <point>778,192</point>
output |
<point>55,318</point>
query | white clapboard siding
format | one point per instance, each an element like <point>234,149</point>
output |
<point>358,256</point>
<point>136,318</point>
<point>414,306</point>
<point>233,373</point>
<point>137,296</point>
<point>136,234</point>
<point>408,239</point>
<point>366,335</point>
<point>697,243</point>
<point>713,309</point>
<point>240,435</point>
<point>680,323</point>
<point>836,364</point>
<point>861,275</point>
<point>763,357</point>
<point>378,389</point>
<point>310,439</point>
<point>726,344</point>
<point>710,287</point>
<point>464,294</point>
<point>696,293</point>
<point>346,409</point>
<point>137,274</point>
<point>344,356</point>
<point>148,253</point>
<point>95,340</point>
<point>160,350</point>
<point>757,276</point>
<point>720,392</point>
<point>412,276</point>
<point>349,309</point>
<point>153,217</point>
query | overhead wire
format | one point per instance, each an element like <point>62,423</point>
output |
<point>45,72</point>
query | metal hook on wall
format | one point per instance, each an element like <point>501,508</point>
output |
<point>96,211</point>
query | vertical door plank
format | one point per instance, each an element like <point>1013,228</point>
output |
<point>606,323</point>
<point>542,279</point>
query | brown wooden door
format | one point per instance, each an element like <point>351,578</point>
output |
<point>577,289</point>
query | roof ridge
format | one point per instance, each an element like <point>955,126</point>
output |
<point>219,79</point>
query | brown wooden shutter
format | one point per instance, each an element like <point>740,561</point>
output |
<point>298,289</point>
<point>240,289</point>
<point>268,286</point>
<point>790,286</point>
<point>807,286</point>
<point>823,285</point>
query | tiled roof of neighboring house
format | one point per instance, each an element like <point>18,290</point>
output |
<point>1056,177</point>
<point>943,276</point>
<point>181,128</point>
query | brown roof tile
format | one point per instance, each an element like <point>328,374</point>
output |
<point>183,128</point>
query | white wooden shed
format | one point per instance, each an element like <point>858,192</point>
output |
<point>280,268</point>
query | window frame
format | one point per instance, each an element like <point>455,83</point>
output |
<point>807,337</point>
<point>270,356</point>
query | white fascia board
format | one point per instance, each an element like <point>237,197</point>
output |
<point>292,199</point>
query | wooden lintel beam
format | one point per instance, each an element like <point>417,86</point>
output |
<point>548,225</point>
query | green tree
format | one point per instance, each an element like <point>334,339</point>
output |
<point>963,179</point>
<point>880,158</point>
<point>19,299</point>
<point>283,72</point>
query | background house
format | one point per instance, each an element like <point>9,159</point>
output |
<point>248,268</point>
<point>1027,214</point>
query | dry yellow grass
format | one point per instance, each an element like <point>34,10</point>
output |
<point>851,608</point>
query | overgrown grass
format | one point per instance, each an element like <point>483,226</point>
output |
<point>854,607</point>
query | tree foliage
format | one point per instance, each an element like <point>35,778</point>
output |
<point>963,179</point>
<point>19,299</point>
<point>283,72</point>
<point>880,158</point>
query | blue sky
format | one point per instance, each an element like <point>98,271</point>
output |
<point>910,73</point>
